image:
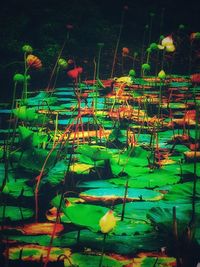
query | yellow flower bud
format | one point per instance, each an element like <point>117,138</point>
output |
<point>107,222</point>
<point>162,74</point>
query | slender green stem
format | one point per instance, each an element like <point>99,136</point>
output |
<point>103,248</point>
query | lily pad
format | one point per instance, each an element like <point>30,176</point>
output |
<point>35,253</point>
<point>16,187</point>
<point>29,114</point>
<point>39,156</point>
<point>15,213</point>
<point>152,180</point>
<point>86,260</point>
<point>83,215</point>
<point>95,153</point>
<point>56,174</point>
<point>163,217</point>
<point>111,194</point>
<point>29,138</point>
<point>182,193</point>
<point>132,227</point>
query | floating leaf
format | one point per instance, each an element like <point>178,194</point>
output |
<point>86,260</point>
<point>94,152</point>
<point>183,193</point>
<point>79,168</point>
<point>163,217</point>
<point>151,180</point>
<point>16,187</point>
<point>111,194</point>
<point>37,228</point>
<point>15,213</point>
<point>39,156</point>
<point>29,138</point>
<point>132,227</point>
<point>56,173</point>
<point>35,253</point>
<point>84,215</point>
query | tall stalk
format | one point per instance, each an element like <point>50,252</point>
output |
<point>118,41</point>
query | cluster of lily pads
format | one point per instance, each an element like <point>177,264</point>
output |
<point>96,179</point>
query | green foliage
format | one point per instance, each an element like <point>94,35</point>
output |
<point>16,187</point>
<point>27,48</point>
<point>39,156</point>
<point>29,138</point>
<point>83,215</point>
<point>86,260</point>
<point>95,153</point>
<point>146,67</point>
<point>20,78</point>
<point>29,115</point>
<point>118,193</point>
<point>163,217</point>
<point>56,174</point>
<point>14,213</point>
<point>183,193</point>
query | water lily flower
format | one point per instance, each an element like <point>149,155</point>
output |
<point>162,74</point>
<point>33,62</point>
<point>107,222</point>
<point>194,36</point>
<point>167,44</point>
<point>170,48</point>
<point>125,51</point>
<point>70,61</point>
<point>195,78</point>
<point>74,73</point>
<point>167,41</point>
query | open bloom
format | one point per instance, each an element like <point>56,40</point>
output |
<point>107,222</point>
<point>74,73</point>
<point>167,44</point>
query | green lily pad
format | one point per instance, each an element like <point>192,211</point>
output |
<point>152,180</point>
<point>35,253</point>
<point>136,157</point>
<point>95,153</point>
<point>163,217</point>
<point>132,227</point>
<point>182,193</point>
<point>56,174</point>
<point>29,138</point>
<point>86,260</point>
<point>110,194</point>
<point>29,114</point>
<point>147,261</point>
<point>122,244</point>
<point>84,215</point>
<point>14,213</point>
<point>138,210</point>
<point>39,156</point>
<point>14,188</point>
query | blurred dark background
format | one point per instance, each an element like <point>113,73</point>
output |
<point>43,25</point>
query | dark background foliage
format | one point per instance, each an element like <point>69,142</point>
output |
<point>43,25</point>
